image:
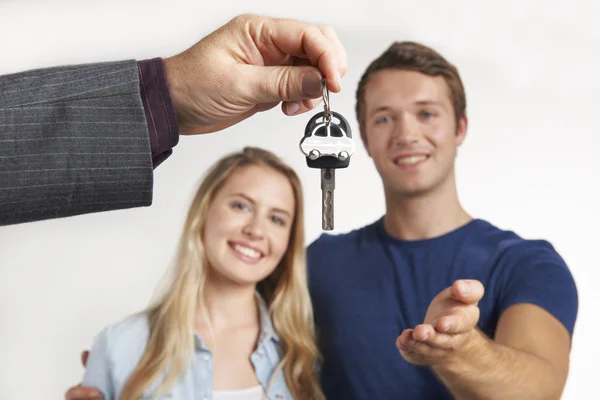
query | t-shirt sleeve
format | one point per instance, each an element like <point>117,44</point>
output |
<point>539,275</point>
<point>97,370</point>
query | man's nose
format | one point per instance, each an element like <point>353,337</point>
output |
<point>406,130</point>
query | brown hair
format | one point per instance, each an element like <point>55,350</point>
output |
<point>413,56</point>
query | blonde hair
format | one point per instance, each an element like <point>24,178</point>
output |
<point>173,317</point>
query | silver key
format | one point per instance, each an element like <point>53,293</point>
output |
<point>327,174</point>
<point>327,145</point>
<point>327,189</point>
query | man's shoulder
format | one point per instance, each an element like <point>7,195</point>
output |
<point>345,240</point>
<point>513,247</point>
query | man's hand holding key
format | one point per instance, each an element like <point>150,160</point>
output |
<point>327,145</point>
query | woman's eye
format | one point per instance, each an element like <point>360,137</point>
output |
<point>239,205</point>
<point>278,220</point>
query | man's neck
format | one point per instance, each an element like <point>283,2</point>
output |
<point>426,216</point>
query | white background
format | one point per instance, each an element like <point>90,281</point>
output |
<point>530,162</point>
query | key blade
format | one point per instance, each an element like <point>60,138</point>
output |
<point>327,189</point>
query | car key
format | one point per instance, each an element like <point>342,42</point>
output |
<point>327,146</point>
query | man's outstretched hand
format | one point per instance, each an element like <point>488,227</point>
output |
<point>450,321</point>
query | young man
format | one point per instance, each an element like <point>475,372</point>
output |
<point>400,304</point>
<point>428,302</point>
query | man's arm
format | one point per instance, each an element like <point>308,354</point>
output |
<point>529,359</point>
<point>47,170</point>
<point>529,356</point>
<point>73,140</point>
<point>79,139</point>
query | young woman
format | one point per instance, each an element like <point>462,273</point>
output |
<point>235,319</point>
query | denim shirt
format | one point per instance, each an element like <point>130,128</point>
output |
<point>118,349</point>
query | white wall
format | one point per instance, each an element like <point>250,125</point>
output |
<point>530,162</point>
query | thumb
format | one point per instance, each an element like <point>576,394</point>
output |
<point>284,83</point>
<point>468,291</point>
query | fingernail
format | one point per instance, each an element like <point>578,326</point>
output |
<point>339,79</point>
<point>411,342</point>
<point>464,287</point>
<point>311,84</point>
<point>446,328</point>
<point>292,108</point>
<point>426,336</point>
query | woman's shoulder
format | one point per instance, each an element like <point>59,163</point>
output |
<point>125,337</point>
<point>115,353</point>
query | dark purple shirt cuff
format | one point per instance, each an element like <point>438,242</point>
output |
<point>158,107</point>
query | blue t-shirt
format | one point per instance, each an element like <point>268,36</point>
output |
<point>367,287</point>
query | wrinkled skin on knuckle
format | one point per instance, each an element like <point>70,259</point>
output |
<point>239,91</point>
<point>327,30</point>
<point>243,19</point>
<point>281,81</point>
<point>313,31</point>
<point>259,35</point>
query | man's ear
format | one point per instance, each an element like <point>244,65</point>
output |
<point>461,129</point>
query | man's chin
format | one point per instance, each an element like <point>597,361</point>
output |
<point>408,190</point>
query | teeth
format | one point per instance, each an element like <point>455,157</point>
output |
<point>411,160</point>
<point>246,251</point>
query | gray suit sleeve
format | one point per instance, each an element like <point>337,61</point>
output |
<point>73,140</point>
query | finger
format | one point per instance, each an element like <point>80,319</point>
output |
<point>459,322</point>
<point>423,332</point>
<point>330,34</point>
<point>439,340</point>
<point>424,349</point>
<point>301,62</point>
<point>281,83</point>
<point>468,291</point>
<point>404,341</point>
<point>83,393</point>
<point>265,106</point>
<point>84,357</point>
<point>312,103</point>
<point>300,40</point>
<point>426,334</point>
<point>301,106</point>
<point>411,356</point>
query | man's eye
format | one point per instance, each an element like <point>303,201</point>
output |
<point>383,120</point>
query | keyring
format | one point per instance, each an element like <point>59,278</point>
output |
<point>326,105</point>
